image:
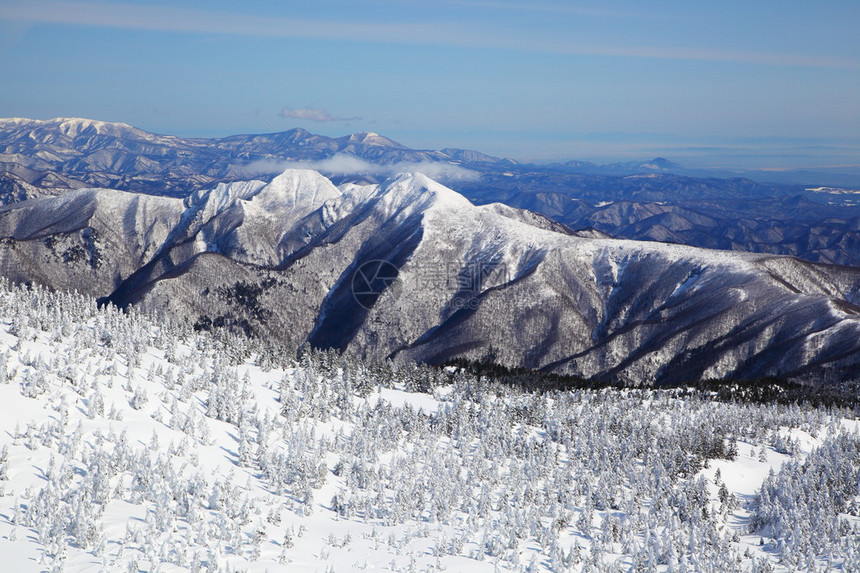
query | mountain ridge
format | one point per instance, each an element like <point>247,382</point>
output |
<point>470,280</point>
<point>96,153</point>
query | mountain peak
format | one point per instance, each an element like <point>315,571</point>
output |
<point>472,156</point>
<point>297,187</point>
<point>413,186</point>
<point>296,190</point>
<point>371,138</point>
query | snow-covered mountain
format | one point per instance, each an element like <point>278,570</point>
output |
<point>74,152</point>
<point>285,260</point>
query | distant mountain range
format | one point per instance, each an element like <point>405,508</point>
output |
<point>75,153</point>
<point>735,214</point>
<point>656,165</point>
<point>655,200</point>
<point>411,268</point>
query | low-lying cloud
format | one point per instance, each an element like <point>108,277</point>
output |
<point>312,114</point>
<point>343,164</point>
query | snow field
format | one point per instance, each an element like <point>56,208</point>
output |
<point>131,444</point>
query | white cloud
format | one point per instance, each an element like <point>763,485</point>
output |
<point>312,114</point>
<point>343,164</point>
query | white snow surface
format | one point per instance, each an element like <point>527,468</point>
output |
<point>133,444</point>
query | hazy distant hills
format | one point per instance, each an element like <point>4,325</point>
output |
<point>296,260</point>
<point>735,214</point>
<point>655,200</point>
<point>81,152</point>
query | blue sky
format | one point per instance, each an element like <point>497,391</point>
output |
<point>754,83</point>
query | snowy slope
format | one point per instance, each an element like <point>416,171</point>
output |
<point>87,240</point>
<point>133,444</point>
